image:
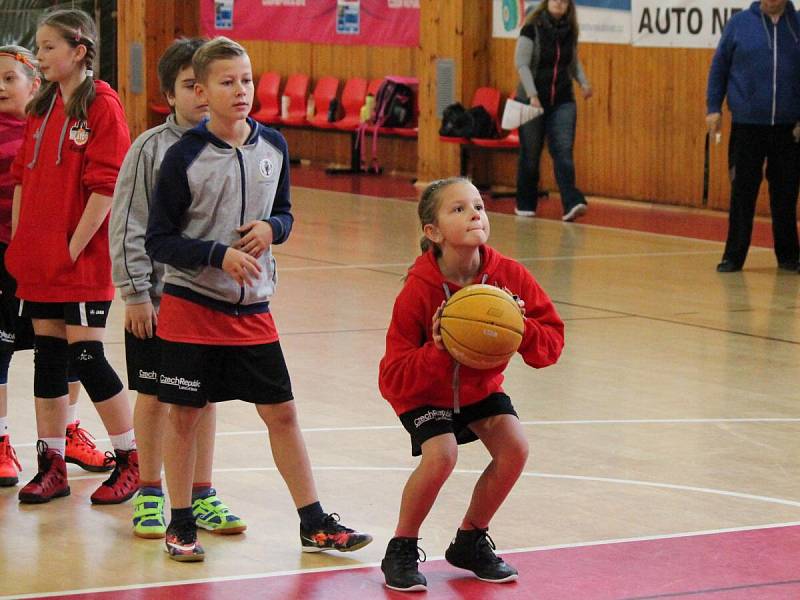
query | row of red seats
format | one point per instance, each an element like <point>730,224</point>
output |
<point>267,105</point>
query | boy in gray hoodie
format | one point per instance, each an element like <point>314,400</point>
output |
<point>140,282</point>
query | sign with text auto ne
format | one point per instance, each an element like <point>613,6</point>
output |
<point>681,23</point>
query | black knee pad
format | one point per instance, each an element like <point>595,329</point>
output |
<point>97,376</point>
<point>50,364</point>
<point>5,361</point>
<point>72,375</point>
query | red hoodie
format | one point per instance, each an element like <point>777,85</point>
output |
<point>415,373</point>
<point>12,131</point>
<point>58,173</point>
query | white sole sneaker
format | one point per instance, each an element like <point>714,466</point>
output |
<point>524,213</point>
<point>576,211</point>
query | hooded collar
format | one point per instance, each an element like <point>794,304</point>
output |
<point>789,15</point>
<point>426,268</point>
<point>101,88</point>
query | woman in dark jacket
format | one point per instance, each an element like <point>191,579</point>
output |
<point>546,58</point>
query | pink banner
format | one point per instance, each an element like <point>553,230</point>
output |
<point>349,22</point>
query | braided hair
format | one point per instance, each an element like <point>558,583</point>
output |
<point>78,29</point>
<point>428,208</point>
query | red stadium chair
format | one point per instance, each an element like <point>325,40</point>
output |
<point>353,95</point>
<point>297,91</point>
<point>509,141</point>
<point>160,108</point>
<point>268,99</point>
<point>374,85</point>
<point>324,93</point>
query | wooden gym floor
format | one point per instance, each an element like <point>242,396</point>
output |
<point>664,458</point>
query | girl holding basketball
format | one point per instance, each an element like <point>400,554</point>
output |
<point>421,381</point>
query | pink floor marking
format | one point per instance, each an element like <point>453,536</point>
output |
<point>755,564</point>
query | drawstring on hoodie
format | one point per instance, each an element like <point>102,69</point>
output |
<point>61,140</point>
<point>39,134</point>
<point>457,365</point>
<point>769,37</point>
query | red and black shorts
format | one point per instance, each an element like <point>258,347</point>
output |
<point>16,332</point>
<point>427,422</point>
<point>142,359</point>
<point>194,374</point>
<point>83,314</point>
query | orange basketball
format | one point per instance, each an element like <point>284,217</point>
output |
<point>481,326</point>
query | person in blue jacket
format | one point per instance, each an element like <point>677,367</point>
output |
<point>757,67</point>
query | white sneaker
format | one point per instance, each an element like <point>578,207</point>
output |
<point>524,213</point>
<point>575,212</point>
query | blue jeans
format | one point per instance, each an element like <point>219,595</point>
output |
<point>557,124</point>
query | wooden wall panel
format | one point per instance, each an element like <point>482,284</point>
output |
<point>131,27</point>
<point>640,137</point>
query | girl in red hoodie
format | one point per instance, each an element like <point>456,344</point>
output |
<point>416,375</point>
<point>19,81</point>
<point>75,139</point>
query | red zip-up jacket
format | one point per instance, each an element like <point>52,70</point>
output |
<point>12,131</point>
<point>415,373</point>
<point>58,172</point>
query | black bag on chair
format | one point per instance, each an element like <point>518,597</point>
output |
<point>452,120</point>
<point>483,126</point>
<point>475,122</point>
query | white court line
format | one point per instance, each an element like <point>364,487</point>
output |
<point>268,574</point>
<point>532,423</point>
<point>406,264</point>
<point>589,478</point>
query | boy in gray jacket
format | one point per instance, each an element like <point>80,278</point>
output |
<point>140,282</point>
<point>221,202</point>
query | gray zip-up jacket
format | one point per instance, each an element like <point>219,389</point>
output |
<point>137,277</point>
<point>206,190</point>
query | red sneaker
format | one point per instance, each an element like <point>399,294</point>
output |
<point>82,451</point>
<point>9,465</point>
<point>124,481</point>
<point>51,480</point>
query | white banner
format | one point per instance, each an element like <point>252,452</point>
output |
<point>602,21</point>
<point>682,23</point>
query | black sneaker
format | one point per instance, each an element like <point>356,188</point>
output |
<point>474,550</point>
<point>181,542</point>
<point>728,266</point>
<point>332,536</point>
<point>399,566</point>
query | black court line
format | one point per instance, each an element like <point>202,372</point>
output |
<point>736,588</point>
<point>619,313</point>
<point>768,338</point>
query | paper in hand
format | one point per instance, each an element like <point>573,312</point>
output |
<point>518,113</point>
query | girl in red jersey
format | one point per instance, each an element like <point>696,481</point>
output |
<point>75,139</point>
<point>416,374</point>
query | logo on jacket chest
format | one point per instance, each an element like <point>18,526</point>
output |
<point>266,168</point>
<point>79,133</point>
